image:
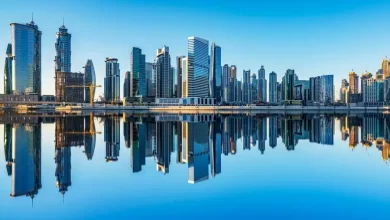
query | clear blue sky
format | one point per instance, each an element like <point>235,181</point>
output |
<point>312,37</point>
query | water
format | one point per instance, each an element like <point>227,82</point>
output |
<point>195,166</point>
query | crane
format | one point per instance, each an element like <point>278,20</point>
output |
<point>90,86</point>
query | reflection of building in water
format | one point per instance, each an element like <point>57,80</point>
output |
<point>63,168</point>
<point>344,128</point>
<point>273,131</point>
<point>262,133</point>
<point>164,137</point>
<point>246,125</point>
<point>90,137</point>
<point>112,137</point>
<point>288,133</point>
<point>372,129</point>
<point>137,145</point>
<point>386,151</point>
<point>215,147</point>
<point>327,130</point>
<point>253,131</point>
<point>26,166</point>
<point>8,147</point>
<point>69,131</point>
<point>226,136</point>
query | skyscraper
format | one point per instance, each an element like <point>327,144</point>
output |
<point>8,71</point>
<point>164,75</point>
<point>126,85</point>
<point>246,90</point>
<point>150,80</point>
<point>216,73</point>
<point>315,87</point>
<point>233,84</point>
<point>327,89</point>
<point>63,50</point>
<point>112,80</point>
<point>26,63</point>
<point>288,85</point>
<point>344,91</point>
<point>179,69</point>
<point>89,78</point>
<point>137,69</point>
<point>353,83</point>
<point>373,91</point>
<point>273,84</point>
<point>198,67</point>
<point>386,68</point>
<point>184,78</point>
<point>262,85</point>
<point>225,82</point>
<point>254,93</point>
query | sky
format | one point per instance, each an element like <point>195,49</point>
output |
<point>313,37</point>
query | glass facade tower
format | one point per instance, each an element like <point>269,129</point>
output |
<point>164,76</point>
<point>138,73</point>
<point>63,50</point>
<point>26,63</point>
<point>198,67</point>
<point>112,80</point>
<point>216,73</point>
<point>90,78</point>
<point>8,71</point>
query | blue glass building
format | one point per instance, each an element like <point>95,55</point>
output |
<point>198,67</point>
<point>138,73</point>
<point>216,73</point>
<point>63,50</point>
<point>26,63</point>
<point>89,78</point>
<point>8,71</point>
<point>112,80</point>
<point>164,75</point>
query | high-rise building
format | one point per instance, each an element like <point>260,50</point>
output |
<point>246,90</point>
<point>315,87</point>
<point>353,83</point>
<point>262,85</point>
<point>150,79</point>
<point>288,85</point>
<point>126,85</point>
<point>385,68</point>
<point>279,92</point>
<point>225,82</point>
<point>238,91</point>
<point>112,80</point>
<point>63,50</point>
<point>26,63</point>
<point>64,92</point>
<point>273,84</point>
<point>327,89</point>
<point>254,88</point>
<point>373,90</point>
<point>137,69</point>
<point>164,76</point>
<point>179,69</point>
<point>344,90</point>
<point>89,79</point>
<point>216,73</point>
<point>198,67</point>
<point>184,78</point>
<point>233,84</point>
<point>8,71</point>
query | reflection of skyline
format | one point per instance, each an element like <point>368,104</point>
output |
<point>197,141</point>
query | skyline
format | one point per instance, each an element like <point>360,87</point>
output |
<point>322,35</point>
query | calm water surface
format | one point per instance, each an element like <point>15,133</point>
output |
<point>195,167</point>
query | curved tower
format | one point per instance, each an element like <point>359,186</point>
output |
<point>89,78</point>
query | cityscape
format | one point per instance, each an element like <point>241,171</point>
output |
<point>199,77</point>
<point>196,141</point>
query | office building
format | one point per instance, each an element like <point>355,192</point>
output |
<point>63,50</point>
<point>315,87</point>
<point>112,80</point>
<point>246,90</point>
<point>216,73</point>
<point>138,76</point>
<point>150,70</point>
<point>327,89</point>
<point>233,96</point>
<point>69,87</point>
<point>26,62</point>
<point>198,67</point>
<point>89,79</point>
<point>353,83</point>
<point>126,85</point>
<point>185,86</point>
<point>8,71</point>
<point>344,90</point>
<point>164,75</point>
<point>262,85</point>
<point>180,70</point>
<point>288,86</point>
<point>253,85</point>
<point>273,90</point>
<point>225,82</point>
<point>373,91</point>
<point>385,68</point>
